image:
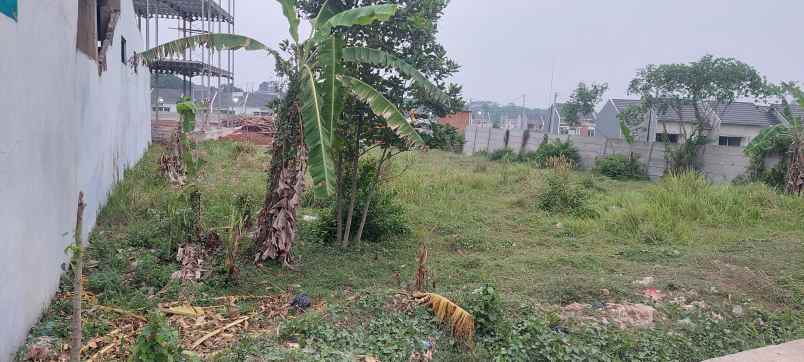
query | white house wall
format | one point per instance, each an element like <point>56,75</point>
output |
<point>746,132</point>
<point>65,129</point>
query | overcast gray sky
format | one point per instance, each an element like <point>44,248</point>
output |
<point>510,47</point>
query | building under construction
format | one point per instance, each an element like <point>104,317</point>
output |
<point>186,18</point>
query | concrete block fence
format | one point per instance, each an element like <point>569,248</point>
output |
<point>720,163</point>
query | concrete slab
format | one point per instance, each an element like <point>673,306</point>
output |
<point>788,352</point>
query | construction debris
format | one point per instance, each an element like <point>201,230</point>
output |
<point>625,315</point>
<point>257,130</point>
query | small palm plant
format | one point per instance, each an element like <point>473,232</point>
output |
<point>313,105</point>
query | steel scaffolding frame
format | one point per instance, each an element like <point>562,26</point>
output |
<point>187,13</point>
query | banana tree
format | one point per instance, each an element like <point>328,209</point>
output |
<point>308,113</point>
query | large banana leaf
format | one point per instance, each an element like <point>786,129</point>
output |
<point>328,10</point>
<point>359,16</point>
<point>330,55</point>
<point>289,9</point>
<point>211,40</point>
<point>380,58</point>
<point>382,107</point>
<point>316,135</point>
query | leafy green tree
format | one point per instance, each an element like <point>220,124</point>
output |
<point>630,119</point>
<point>582,101</point>
<point>410,36</point>
<point>308,114</point>
<point>705,85</point>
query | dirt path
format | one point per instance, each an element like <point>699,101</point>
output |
<point>788,352</point>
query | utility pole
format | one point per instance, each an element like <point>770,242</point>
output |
<point>522,121</point>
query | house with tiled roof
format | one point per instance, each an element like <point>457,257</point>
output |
<point>734,124</point>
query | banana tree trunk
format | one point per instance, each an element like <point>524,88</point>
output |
<point>795,174</point>
<point>276,228</point>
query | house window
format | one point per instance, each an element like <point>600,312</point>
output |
<point>730,141</point>
<point>123,50</point>
<point>667,137</point>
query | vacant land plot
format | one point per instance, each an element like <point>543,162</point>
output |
<point>674,270</point>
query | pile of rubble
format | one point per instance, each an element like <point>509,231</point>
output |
<point>259,130</point>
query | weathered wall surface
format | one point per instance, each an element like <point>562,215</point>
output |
<point>65,129</point>
<point>720,163</point>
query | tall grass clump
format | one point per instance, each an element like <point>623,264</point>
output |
<point>565,194</point>
<point>505,154</point>
<point>670,209</point>
<point>557,149</point>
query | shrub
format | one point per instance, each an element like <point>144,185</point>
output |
<point>621,167</point>
<point>550,150</point>
<point>563,194</point>
<point>149,272</point>
<point>485,306</point>
<point>444,137</point>
<point>157,342</point>
<point>773,141</point>
<point>505,154</point>
<point>386,217</point>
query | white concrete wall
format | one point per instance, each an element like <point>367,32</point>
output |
<point>65,129</point>
<point>748,133</point>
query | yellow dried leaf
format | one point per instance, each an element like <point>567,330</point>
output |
<point>185,310</point>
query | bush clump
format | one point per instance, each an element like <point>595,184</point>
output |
<point>621,167</point>
<point>486,307</point>
<point>557,149</point>
<point>773,141</point>
<point>505,154</point>
<point>386,217</point>
<point>564,194</point>
<point>444,137</point>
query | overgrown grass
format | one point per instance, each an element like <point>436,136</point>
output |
<point>728,244</point>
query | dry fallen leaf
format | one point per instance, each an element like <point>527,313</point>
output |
<point>184,310</point>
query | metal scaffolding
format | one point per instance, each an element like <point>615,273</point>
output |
<point>192,17</point>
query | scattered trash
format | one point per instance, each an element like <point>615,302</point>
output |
<point>737,310</point>
<point>309,218</point>
<point>191,257</point>
<point>42,349</point>
<point>301,301</point>
<point>655,295</point>
<point>645,281</point>
<point>426,352</point>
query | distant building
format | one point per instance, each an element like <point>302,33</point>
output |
<point>554,123</point>
<point>245,103</point>
<point>459,120</point>
<point>735,124</point>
